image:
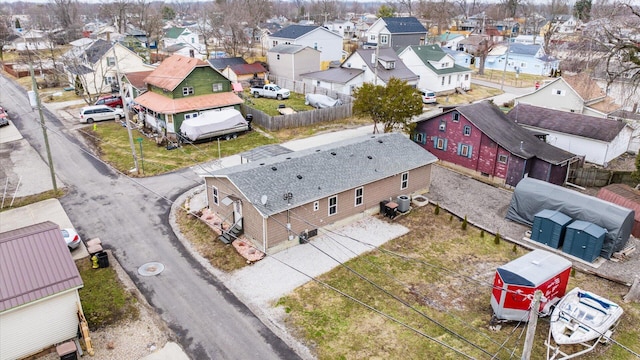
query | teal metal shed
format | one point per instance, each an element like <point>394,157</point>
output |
<point>584,240</point>
<point>549,227</point>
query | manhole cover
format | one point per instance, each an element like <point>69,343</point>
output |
<point>150,269</point>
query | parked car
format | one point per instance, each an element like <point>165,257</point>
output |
<point>270,91</point>
<point>71,237</point>
<point>114,101</point>
<point>4,117</point>
<point>428,96</point>
<point>89,114</point>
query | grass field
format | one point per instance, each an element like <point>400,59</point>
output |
<point>435,282</point>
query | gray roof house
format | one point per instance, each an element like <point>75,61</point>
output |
<point>316,37</point>
<point>395,32</point>
<point>437,69</point>
<point>302,191</point>
<point>39,282</point>
<point>598,140</point>
<point>359,68</point>
<point>291,60</point>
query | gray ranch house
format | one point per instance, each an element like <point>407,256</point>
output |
<point>282,198</point>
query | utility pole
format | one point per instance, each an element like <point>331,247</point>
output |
<point>506,61</point>
<point>126,112</point>
<point>531,326</point>
<point>38,104</point>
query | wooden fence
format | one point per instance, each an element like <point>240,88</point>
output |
<point>305,118</point>
<point>599,177</point>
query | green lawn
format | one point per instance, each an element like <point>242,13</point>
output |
<point>270,106</point>
<point>112,141</point>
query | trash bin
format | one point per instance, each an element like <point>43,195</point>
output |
<point>103,259</point>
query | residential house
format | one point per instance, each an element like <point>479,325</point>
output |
<point>480,139</point>
<point>182,41</point>
<point>345,28</point>
<point>134,85</point>
<point>303,191</point>
<point>448,40</point>
<point>32,40</point>
<point>528,39</point>
<point>461,58</point>
<point>577,94</point>
<point>598,140</point>
<point>238,71</point>
<point>39,305</point>
<point>181,88</point>
<point>633,120</point>
<point>362,66</point>
<point>395,32</point>
<point>328,43</point>
<point>94,69</point>
<point>289,61</point>
<point>108,33</point>
<point>522,59</point>
<point>473,44</point>
<point>437,70</point>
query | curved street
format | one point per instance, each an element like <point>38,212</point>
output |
<point>130,216</point>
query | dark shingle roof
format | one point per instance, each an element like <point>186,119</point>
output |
<point>97,50</point>
<point>428,53</point>
<point>524,49</point>
<point>401,71</point>
<point>294,31</point>
<point>243,69</point>
<point>34,263</point>
<point>78,69</point>
<point>566,122</point>
<point>222,63</point>
<point>519,141</point>
<point>288,48</point>
<point>325,170</point>
<point>404,25</point>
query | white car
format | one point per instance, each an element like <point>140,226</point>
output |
<point>71,237</point>
<point>89,114</point>
<point>428,96</point>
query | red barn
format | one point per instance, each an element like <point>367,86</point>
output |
<point>479,138</point>
<point>515,283</point>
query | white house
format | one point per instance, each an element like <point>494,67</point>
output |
<point>40,303</point>
<point>328,43</point>
<point>346,28</point>
<point>291,60</point>
<point>32,40</point>
<point>182,41</point>
<point>598,140</point>
<point>437,70</point>
<point>94,70</point>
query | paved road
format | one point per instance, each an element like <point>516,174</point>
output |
<point>131,218</point>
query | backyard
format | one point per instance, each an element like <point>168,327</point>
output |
<point>435,282</point>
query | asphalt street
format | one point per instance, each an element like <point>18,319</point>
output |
<point>130,216</point>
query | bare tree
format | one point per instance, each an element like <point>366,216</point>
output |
<point>118,10</point>
<point>623,59</point>
<point>407,6</point>
<point>437,12</point>
<point>5,32</point>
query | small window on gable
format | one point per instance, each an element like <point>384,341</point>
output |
<point>456,117</point>
<point>558,92</point>
<point>214,194</point>
<point>316,205</point>
<point>216,87</point>
<point>187,90</point>
<point>502,159</point>
<point>420,138</point>
<point>111,61</point>
<point>443,125</point>
<point>466,131</point>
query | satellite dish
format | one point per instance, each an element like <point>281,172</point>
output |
<point>263,199</point>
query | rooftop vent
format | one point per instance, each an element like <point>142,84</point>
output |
<point>288,158</point>
<point>333,153</point>
<point>380,141</point>
<point>369,157</point>
<point>274,168</point>
<point>317,150</point>
<point>299,177</point>
<point>261,163</point>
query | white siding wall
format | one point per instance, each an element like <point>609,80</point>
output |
<point>557,95</point>
<point>32,328</point>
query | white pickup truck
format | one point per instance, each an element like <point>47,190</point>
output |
<point>270,91</point>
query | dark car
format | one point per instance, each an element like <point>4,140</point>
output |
<point>113,101</point>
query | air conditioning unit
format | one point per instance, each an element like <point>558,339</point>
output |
<point>442,127</point>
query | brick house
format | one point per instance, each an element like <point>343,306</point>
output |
<point>480,139</point>
<point>275,199</point>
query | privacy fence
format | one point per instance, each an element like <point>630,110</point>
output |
<point>599,177</point>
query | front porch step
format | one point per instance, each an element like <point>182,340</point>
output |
<point>228,236</point>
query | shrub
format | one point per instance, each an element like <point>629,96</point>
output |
<point>496,239</point>
<point>437,210</point>
<point>464,223</point>
<point>481,233</point>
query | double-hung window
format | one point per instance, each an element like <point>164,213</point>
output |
<point>333,205</point>
<point>214,195</point>
<point>359,195</point>
<point>404,180</point>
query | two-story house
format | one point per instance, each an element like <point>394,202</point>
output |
<point>182,41</point>
<point>479,139</point>
<point>437,70</point>
<point>521,59</point>
<point>289,61</point>
<point>182,88</point>
<point>395,32</point>
<point>93,70</point>
<point>345,28</point>
<point>363,66</point>
<point>319,38</point>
